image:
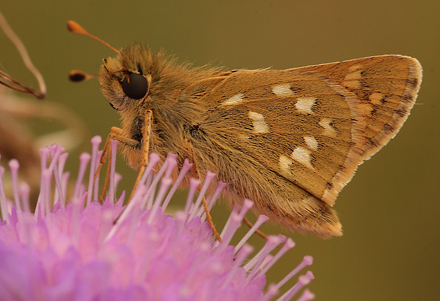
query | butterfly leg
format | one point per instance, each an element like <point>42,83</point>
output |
<point>210,222</point>
<point>146,135</point>
<point>115,134</point>
<point>205,205</point>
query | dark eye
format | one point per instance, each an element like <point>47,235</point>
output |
<point>135,86</point>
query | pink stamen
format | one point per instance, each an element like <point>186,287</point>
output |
<point>112,188</point>
<point>152,161</point>
<point>96,184</point>
<point>208,179</point>
<point>234,222</point>
<point>307,260</point>
<point>172,163</point>
<point>45,192</point>
<point>64,184</point>
<point>307,295</point>
<point>13,167</point>
<point>84,159</point>
<point>58,170</point>
<point>25,190</point>
<point>260,220</point>
<point>96,141</point>
<point>302,281</point>
<point>286,247</point>
<point>185,168</point>
<point>193,186</point>
<point>55,153</point>
<point>254,265</point>
<point>44,155</point>
<point>235,208</point>
<point>165,183</point>
<point>272,291</point>
<point>211,201</point>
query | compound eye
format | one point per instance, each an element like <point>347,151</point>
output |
<point>135,86</point>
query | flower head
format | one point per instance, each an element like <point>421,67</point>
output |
<point>82,249</point>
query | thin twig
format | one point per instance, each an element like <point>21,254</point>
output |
<point>26,60</point>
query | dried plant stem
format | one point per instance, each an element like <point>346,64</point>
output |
<point>26,60</point>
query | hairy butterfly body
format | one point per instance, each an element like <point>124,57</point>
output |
<point>289,140</point>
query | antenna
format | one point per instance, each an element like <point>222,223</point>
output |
<point>74,27</point>
<point>77,75</point>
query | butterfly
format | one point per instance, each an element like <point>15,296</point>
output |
<point>289,140</point>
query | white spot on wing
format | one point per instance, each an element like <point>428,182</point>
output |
<point>260,125</point>
<point>304,104</point>
<point>311,142</point>
<point>282,90</point>
<point>328,129</point>
<point>302,155</point>
<point>285,164</point>
<point>234,100</point>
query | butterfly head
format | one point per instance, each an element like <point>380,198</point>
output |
<point>136,78</point>
<point>126,79</point>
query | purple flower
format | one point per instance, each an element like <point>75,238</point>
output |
<point>82,249</point>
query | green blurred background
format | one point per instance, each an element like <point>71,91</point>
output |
<point>389,211</point>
